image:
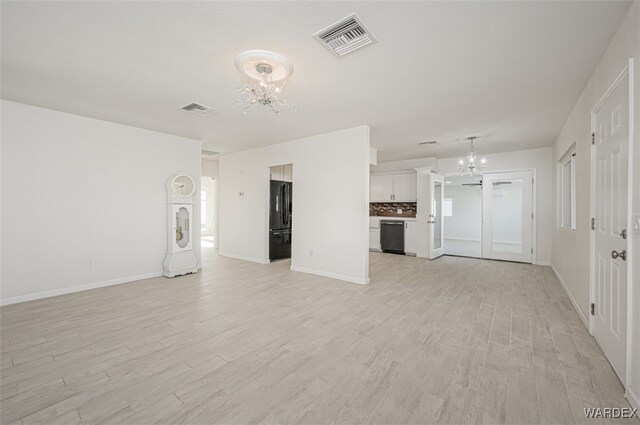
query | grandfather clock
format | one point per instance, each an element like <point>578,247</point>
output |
<point>181,258</point>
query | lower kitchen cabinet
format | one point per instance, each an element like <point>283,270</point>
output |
<point>410,237</point>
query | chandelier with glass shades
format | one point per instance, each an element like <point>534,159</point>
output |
<point>471,166</point>
<point>268,73</point>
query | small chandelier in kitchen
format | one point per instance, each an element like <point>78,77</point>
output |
<point>268,72</point>
<point>471,166</point>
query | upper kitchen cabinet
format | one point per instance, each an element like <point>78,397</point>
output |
<point>282,172</point>
<point>381,188</point>
<point>405,187</point>
<point>393,188</point>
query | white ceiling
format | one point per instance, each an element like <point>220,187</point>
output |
<point>440,70</point>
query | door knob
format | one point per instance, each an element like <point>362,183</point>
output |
<point>623,234</point>
<point>622,254</point>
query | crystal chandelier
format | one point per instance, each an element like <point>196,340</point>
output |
<point>264,92</point>
<point>471,167</point>
<point>267,74</point>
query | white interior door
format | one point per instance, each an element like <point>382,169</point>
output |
<point>435,220</point>
<point>507,220</point>
<point>611,150</point>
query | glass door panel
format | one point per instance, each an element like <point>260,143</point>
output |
<point>437,209</point>
<point>435,222</point>
<point>507,216</point>
<point>506,203</point>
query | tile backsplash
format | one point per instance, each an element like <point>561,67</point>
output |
<point>390,209</point>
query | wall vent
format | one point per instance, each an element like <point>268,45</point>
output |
<point>428,142</point>
<point>201,110</point>
<point>345,36</point>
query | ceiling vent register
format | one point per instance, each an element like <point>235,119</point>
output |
<point>201,110</point>
<point>345,36</point>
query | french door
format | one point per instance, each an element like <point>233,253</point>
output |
<point>611,152</point>
<point>507,221</point>
<point>435,221</point>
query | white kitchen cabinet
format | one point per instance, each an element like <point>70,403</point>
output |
<point>405,188</point>
<point>282,172</point>
<point>287,172</point>
<point>381,188</point>
<point>374,238</point>
<point>410,237</point>
<point>393,188</point>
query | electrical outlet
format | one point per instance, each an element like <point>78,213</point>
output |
<point>90,264</point>
<point>311,253</point>
<point>399,210</point>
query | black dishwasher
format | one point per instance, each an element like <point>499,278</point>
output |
<point>392,236</point>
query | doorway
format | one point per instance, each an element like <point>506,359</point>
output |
<point>609,245</point>
<point>462,212</point>
<point>280,211</point>
<point>207,214</point>
<point>489,216</point>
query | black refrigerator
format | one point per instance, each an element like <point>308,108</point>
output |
<point>280,208</point>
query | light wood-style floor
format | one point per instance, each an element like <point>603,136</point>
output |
<point>453,341</point>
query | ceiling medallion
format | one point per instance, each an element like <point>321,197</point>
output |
<point>267,72</point>
<point>471,166</point>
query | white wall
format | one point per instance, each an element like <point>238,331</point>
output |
<point>571,248</point>
<point>538,159</point>
<point>466,221</point>
<point>211,169</point>
<point>83,201</point>
<point>330,203</point>
<point>403,165</point>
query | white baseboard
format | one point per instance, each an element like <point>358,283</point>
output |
<point>576,307</point>
<point>543,263</point>
<point>462,239</point>
<point>77,288</point>
<point>330,275</point>
<point>634,401</point>
<point>244,258</point>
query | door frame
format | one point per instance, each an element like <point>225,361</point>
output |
<point>534,208</point>
<point>627,72</point>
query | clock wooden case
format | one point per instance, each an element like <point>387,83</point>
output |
<point>181,258</point>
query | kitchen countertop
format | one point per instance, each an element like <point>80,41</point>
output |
<point>374,221</point>
<point>384,217</point>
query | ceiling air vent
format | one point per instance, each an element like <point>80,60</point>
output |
<point>208,152</point>
<point>345,36</point>
<point>428,142</point>
<point>201,110</point>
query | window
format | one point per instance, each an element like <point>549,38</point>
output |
<point>568,190</point>
<point>447,207</point>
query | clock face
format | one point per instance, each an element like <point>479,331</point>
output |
<point>183,186</point>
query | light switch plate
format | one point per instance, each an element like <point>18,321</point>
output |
<point>636,223</point>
